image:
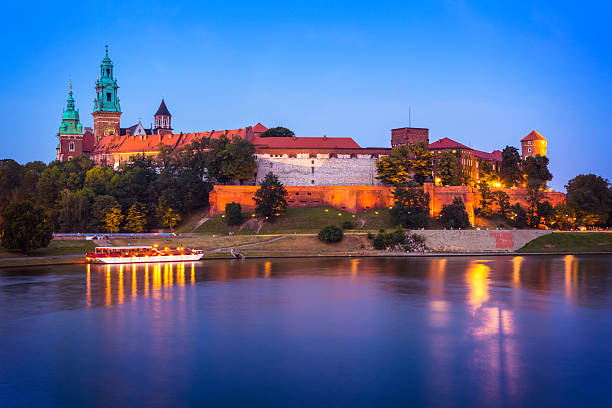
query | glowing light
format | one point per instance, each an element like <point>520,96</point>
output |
<point>339,214</point>
<point>497,184</point>
<point>376,212</point>
<point>326,210</point>
<point>252,215</point>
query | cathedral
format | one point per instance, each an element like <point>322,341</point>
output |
<point>297,161</point>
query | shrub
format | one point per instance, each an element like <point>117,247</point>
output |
<point>233,212</point>
<point>347,225</point>
<point>391,240</point>
<point>454,215</point>
<point>331,233</point>
<point>370,235</point>
<point>410,208</point>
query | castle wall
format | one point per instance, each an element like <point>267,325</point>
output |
<point>357,199</point>
<point>319,170</point>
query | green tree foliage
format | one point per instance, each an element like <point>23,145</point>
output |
<point>565,217</point>
<point>422,160</point>
<point>230,160</point>
<point>101,206</point>
<point>271,198</point>
<point>486,199</point>
<point>390,240</point>
<point>278,131</point>
<point>410,207</point>
<point>330,234</point>
<point>97,178</point>
<point>486,173</point>
<point>74,214</point>
<point>233,213</point>
<point>546,213</point>
<point>171,218</point>
<point>134,182</point>
<point>502,199</point>
<point>536,175</point>
<point>25,227</point>
<point>10,175</point>
<point>510,171</point>
<point>395,169</point>
<point>454,215</point>
<point>59,176</point>
<point>347,225</point>
<point>136,220</point>
<point>113,220</point>
<point>447,168</point>
<point>590,197</point>
<point>518,216</point>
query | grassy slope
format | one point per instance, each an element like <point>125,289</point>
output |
<point>301,220</point>
<point>570,242</point>
<point>56,247</point>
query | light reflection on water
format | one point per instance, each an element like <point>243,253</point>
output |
<point>501,331</point>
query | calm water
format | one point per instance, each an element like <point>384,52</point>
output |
<point>505,331</point>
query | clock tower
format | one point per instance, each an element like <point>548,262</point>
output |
<point>106,111</point>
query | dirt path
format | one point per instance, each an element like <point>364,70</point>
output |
<point>201,221</point>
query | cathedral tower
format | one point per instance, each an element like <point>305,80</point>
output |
<point>106,111</point>
<point>163,120</point>
<point>70,132</point>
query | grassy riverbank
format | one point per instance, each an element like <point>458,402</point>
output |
<point>58,251</point>
<point>564,242</point>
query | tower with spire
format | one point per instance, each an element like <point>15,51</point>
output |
<point>70,132</point>
<point>107,111</point>
<point>163,120</point>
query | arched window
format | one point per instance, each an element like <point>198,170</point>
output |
<point>71,146</point>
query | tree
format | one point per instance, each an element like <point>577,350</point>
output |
<point>230,160</point>
<point>271,198</point>
<point>101,206</point>
<point>454,215</point>
<point>10,173</point>
<point>546,213</point>
<point>422,161</point>
<point>97,178</point>
<point>518,216</point>
<point>331,233</point>
<point>278,131</point>
<point>510,172</point>
<point>113,219</point>
<point>410,207</point>
<point>233,213</point>
<point>391,240</point>
<point>136,220</point>
<point>503,201</point>
<point>74,213</point>
<point>564,217</point>
<point>536,175</point>
<point>486,199</point>
<point>446,168</point>
<point>394,169</point>
<point>25,227</point>
<point>171,218</point>
<point>590,197</point>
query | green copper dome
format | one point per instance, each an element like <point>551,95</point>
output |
<point>106,88</point>
<point>70,118</point>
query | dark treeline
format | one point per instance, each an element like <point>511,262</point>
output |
<point>142,194</point>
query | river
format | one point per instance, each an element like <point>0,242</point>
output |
<point>504,331</point>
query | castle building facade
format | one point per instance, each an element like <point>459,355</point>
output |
<point>297,161</point>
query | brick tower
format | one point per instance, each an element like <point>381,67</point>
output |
<point>163,120</point>
<point>70,132</point>
<point>409,135</point>
<point>532,145</point>
<point>106,111</point>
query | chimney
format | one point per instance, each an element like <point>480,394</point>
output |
<point>324,137</point>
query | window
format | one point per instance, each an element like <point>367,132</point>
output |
<point>71,146</point>
<point>312,161</point>
<point>108,96</point>
<point>312,168</point>
<point>311,181</point>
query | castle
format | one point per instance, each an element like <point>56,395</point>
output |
<point>297,161</point>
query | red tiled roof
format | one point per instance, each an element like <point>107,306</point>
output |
<point>305,143</point>
<point>534,135</point>
<point>150,143</point>
<point>496,155</point>
<point>447,143</point>
<point>259,128</point>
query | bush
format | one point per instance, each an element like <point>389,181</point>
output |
<point>347,225</point>
<point>331,233</point>
<point>391,240</point>
<point>233,213</point>
<point>410,208</point>
<point>370,235</point>
<point>454,215</point>
<point>25,227</point>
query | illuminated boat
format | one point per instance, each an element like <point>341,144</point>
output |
<point>131,254</point>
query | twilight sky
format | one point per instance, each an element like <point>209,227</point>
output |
<point>480,73</point>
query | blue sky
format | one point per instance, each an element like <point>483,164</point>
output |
<point>480,73</point>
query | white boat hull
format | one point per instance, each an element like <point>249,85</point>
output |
<point>149,259</point>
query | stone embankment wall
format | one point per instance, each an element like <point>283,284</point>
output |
<point>478,240</point>
<point>363,198</point>
<point>319,170</point>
